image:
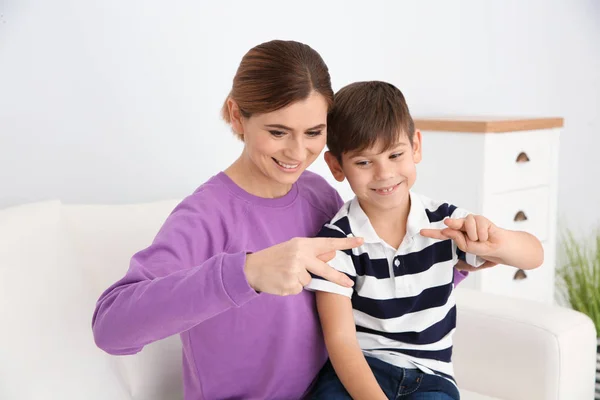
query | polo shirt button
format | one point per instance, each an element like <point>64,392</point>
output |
<point>397,262</point>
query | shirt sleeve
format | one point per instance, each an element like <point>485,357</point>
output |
<point>343,262</point>
<point>182,279</point>
<point>469,258</point>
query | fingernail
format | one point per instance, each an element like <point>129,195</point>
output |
<point>349,283</point>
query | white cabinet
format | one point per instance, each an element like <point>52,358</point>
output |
<point>506,170</point>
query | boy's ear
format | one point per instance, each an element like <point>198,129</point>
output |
<point>235,116</point>
<point>334,166</point>
<point>417,146</point>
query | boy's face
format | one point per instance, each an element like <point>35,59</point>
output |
<point>380,179</point>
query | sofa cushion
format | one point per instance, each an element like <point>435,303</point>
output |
<point>47,348</point>
<point>105,238</point>
<point>467,395</point>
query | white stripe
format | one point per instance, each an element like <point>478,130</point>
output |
<point>343,263</point>
<point>405,286</point>
<point>412,322</point>
<point>427,366</point>
<point>374,250</point>
<point>370,341</point>
<point>390,358</point>
<point>326,286</point>
<point>378,250</point>
<point>440,366</point>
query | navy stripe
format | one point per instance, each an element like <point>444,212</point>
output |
<point>433,334</point>
<point>353,278</point>
<point>377,267</point>
<point>397,307</point>
<point>443,211</point>
<point>330,233</point>
<point>412,263</point>
<point>420,261</point>
<point>344,224</point>
<point>461,254</point>
<point>444,355</point>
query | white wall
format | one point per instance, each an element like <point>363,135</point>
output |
<point>118,101</point>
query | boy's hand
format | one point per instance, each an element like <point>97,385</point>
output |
<point>474,234</point>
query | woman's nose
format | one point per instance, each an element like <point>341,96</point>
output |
<point>296,149</point>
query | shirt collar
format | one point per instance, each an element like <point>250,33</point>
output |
<point>361,226</point>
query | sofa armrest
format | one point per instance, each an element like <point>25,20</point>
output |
<point>516,349</point>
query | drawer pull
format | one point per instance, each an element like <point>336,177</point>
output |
<point>522,157</point>
<point>520,275</point>
<point>520,216</point>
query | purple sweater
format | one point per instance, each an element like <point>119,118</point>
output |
<point>190,281</point>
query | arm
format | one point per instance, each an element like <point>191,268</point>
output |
<point>187,277</point>
<point>475,234</point>
<point>181,280</point>
<point>337,320</point>
<point>516,248</point>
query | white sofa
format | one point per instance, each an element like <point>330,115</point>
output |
<point>56,259</point>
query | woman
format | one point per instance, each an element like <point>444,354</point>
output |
<point>227,268</point>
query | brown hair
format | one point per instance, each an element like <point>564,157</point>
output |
<point>275,74</point>
<point>365,113</point>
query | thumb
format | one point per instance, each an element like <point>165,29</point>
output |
<point>457,236</point>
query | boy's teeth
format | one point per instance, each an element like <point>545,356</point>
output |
<point>288,166</point>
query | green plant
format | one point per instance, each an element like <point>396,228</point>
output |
<point>579,276</point>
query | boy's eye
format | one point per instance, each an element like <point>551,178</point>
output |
<point>396,155</point>
<point>277,134</point>
<point>313,133</point>
<point>363,163</point>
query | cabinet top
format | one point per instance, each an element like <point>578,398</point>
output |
<point>486,124</point>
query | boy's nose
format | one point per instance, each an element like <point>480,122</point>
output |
<point>382,173</point>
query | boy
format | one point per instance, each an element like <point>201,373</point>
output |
<point>390,336</point>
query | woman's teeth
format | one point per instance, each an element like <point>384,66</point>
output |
<point>287,166</point>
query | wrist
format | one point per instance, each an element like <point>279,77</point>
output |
<point>499,241</point>
<point>249,270</point>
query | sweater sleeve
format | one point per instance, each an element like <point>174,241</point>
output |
<point>183,278</point>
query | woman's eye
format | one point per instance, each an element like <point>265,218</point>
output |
<point>277,134</point>
<point>313,133</point>
<point>396,155</point>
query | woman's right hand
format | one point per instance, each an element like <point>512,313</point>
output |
<point>284,269</point>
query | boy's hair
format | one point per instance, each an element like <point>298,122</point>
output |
<point>365,113</point>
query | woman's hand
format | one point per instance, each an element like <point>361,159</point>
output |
<point>284,269</point>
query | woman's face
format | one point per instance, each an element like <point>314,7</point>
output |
<point>281,144</point>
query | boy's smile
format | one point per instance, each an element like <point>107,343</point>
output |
<point>380,177</point>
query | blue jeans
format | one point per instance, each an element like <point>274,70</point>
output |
<point>397,384</point>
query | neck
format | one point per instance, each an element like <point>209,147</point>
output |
<point>389,224</point>
<point>245,174</point>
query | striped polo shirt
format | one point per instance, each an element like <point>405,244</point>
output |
<point>402,299</point>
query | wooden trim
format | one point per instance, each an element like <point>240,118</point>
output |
<point>487,125</point>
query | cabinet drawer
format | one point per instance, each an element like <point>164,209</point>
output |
<point>518,160</point>
<point>538,284</point>
<point>523,210</point>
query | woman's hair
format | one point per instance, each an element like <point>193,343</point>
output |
<point>276,74</point>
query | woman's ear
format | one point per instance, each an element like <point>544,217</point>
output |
<point>235,115</point>
<point>334,167</point>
